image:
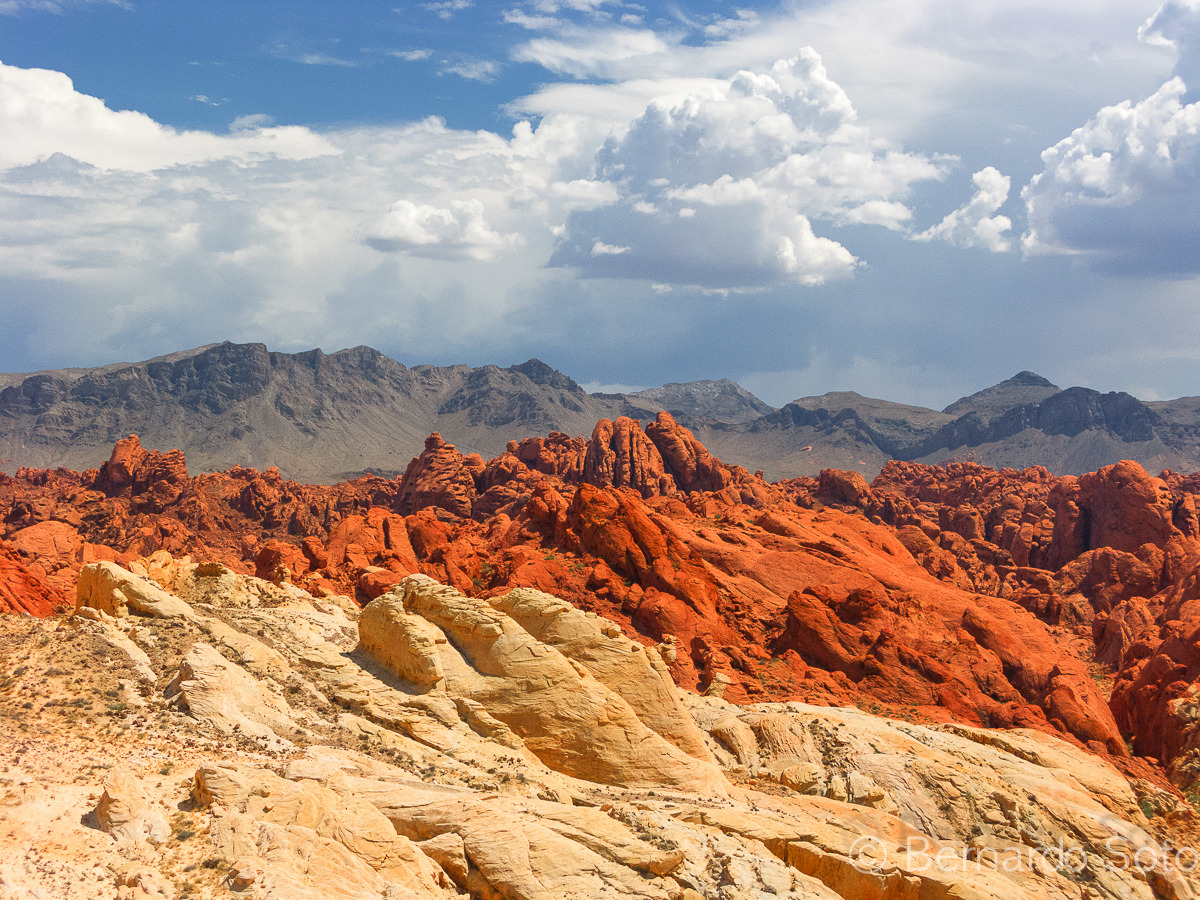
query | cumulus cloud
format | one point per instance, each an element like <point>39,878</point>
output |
<point>602,249</point>
<point>126,227</point>
<point>1177,24</point>
<point>42,114</point>
<point>457,232</point>
<point>582,193</point>
<point>975,224</point>
<point>720,189</point>
<point>1123,189</point>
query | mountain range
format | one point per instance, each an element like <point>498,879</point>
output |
<point>324,417</point>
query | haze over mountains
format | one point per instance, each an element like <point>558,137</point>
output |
<point>323,417</point>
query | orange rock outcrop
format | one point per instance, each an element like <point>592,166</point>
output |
<point>955,592</point>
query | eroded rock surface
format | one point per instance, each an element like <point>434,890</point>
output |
<point>431,780</point>
<point>937,593</point>
<point>545,691</point>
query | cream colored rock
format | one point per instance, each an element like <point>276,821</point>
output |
<point>126,812</point>
<point>635,673</point>
<point>299,864</point>
<point>280,814</point>
<point>224,695</point>
<point>571,721</point>
<point>144,883</point>
<point>108,587</point>
<point>737,738</point>
<point>954,790</point>
<point>433,789</point>
<point>245,872</point>
<point>402,641</point>
<point>449,851</point>
<point>535,850</point>
<point>252,653</point>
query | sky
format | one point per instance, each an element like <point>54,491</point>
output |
<point>910,200</point>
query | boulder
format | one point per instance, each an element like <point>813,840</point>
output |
<point>126,812</point>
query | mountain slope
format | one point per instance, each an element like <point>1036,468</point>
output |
<point>1024,421</point>
<point>323,417</point>
<point>317,416</point>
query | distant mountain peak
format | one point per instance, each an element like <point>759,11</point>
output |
<point>1030,378</point>
<point>697,401</point>
<point>540,373</point>
<point>1024,387</point>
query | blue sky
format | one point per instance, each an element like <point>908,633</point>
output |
<point>911,200</point>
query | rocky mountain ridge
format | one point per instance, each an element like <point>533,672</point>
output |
<point>325,417</point>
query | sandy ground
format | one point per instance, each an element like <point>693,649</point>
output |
<point>71,710</point>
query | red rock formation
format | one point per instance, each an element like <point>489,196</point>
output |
<point>936,592</point>
<point>621,455</point>
<point>688,461</point>
<point>154,479</point>
<point>24,590</point>
<point>441,477</point>
<point>846,488</point>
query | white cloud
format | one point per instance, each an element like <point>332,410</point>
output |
<point>741,22</point>
<point>310,57</point>
<point>584,53</point>
<point>457,232</point>
<point>252,122</point>
<point>125,227</point>
<point>472,69</point>
<point>15,7</point>
<point>602,249</point>
<point>975,224</point>
<point>412,55</point>
<point>533,23</point>
<point>551,7</point>
<point>1124,188</point>
<point>1176,24</point>
<point>323,59</point>
<point>720,188</point>
<point>42,114</point>
<point>447,8</point>
<point>583,193</point>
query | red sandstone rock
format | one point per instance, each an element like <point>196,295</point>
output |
<point>847,488</point>
<point>155,479</point>
<point>22,590</point>
<point>942,591</point>
<point>621,455</point>
<point>440,476</point>
<point>278,562</point>
<point>1127,508</point>
<point>687,460</point>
